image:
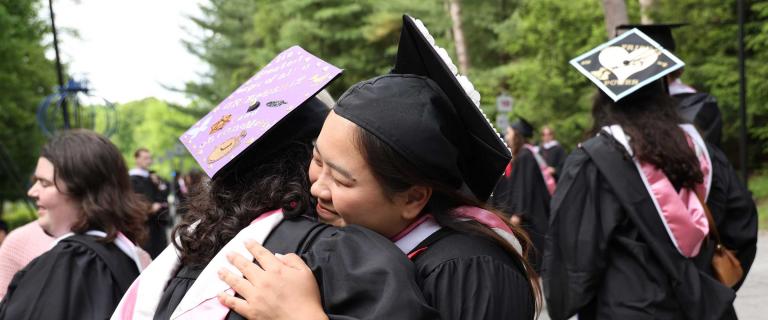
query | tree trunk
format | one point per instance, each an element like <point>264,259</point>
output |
<point>645,11</point>
<point>615,15</point>
<point>454,8</point>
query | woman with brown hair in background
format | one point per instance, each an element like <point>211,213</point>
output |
<point>83,199</point>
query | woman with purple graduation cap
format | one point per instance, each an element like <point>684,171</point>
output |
<point>411,156</point>
<point>525,189</point>
<point>646,215</point>
<point>256,146</point>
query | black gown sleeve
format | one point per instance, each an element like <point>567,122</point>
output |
<point>524,193</point>
<point>479,288</point>
<point>362,275</point>
<point>68,282</point>
<point>734,211</point>
<point>584,216</point>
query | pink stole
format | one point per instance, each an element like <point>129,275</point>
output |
<point>200,301</point>
<point>419,230</point>
<point>549,180</point>
<point>682,213</point>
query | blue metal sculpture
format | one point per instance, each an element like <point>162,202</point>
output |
<point>75,107</point>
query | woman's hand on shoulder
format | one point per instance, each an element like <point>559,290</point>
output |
<point>279,287</point>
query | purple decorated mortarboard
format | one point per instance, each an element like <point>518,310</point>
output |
<point>290,79</point>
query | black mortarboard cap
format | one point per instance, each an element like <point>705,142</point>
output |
<point>661,33</point>
<point>430,115</point>
<point>626,64</point>
<point>523,127</point>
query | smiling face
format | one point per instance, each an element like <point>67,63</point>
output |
<point>57,212</point>
<point>345,187</point>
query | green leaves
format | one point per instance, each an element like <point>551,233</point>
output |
<point>26,77</point>
<point>521,47</point>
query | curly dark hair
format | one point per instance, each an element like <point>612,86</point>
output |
<point>256,184</point>
<point>396,174</point>
<point>95,174</point>
<point>649,118</point>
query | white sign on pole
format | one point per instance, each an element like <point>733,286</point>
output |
<point>504,103</point>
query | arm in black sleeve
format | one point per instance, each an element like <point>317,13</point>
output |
<point>362,275</point>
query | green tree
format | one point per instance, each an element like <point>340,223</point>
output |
<point>709,47</point>
<point>539,39</point>
<point>155,125</point>
<point>26,76</point>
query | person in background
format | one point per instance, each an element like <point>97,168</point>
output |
<point>522,192</point>
<point>82,192</point>
<point>142,183</point>
<point>188,184</point>
<point>551,150</point>
<point>642,207</point>
<point>21,246</point>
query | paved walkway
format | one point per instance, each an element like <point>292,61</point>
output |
<point>752,300</point>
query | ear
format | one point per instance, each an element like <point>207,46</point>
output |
<point>414,200</point>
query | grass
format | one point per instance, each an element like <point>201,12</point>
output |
<point>758,184</point>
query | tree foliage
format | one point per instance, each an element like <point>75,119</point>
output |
<point>155,125</point>
<point>26,77</point>
<point>709,46</point>
<point>521,47</point>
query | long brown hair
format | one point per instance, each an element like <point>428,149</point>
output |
<point>396,174</point>
<point>95,175</point>
<point>518,140</point>
<point>650,119</point>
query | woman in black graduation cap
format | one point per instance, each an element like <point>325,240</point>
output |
<point>84,199</point>
<point>411,156</point>
<point>629,236</point>
<point>264,194</point>
<point>523,191</point>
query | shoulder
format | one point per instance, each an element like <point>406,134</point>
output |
<point>91,252</point>
<point>357,238</point>
<point>459,250</point>
<point>28,240</point>
<point>524,153</point>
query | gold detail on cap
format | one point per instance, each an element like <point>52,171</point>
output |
<point>225,147</point>
<point>218,125</point>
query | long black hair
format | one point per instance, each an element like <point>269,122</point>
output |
<point>396,174</point>
<point>649,118</point>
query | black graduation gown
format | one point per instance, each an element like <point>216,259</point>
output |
<point>701,110</point>
<point>157,240</point>
<point>470,277</point>
<point>361,274</point>
<point>609,256</point>
<point>525,193</point>
<point>554,157</point>
<point>73,280</point>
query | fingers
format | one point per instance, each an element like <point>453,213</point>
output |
<point>238,305</point>
<point>249,269</point>
<point>291,260</point>
<point>239,284</point>
<point>266,259</point>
